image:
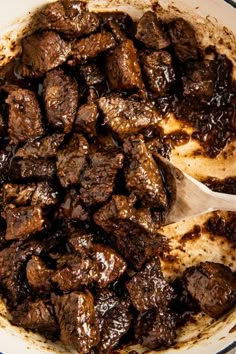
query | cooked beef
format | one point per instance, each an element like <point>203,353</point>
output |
<point>37,316</point>
<point>45,147</point>
<point>121,19</point>
<point>68,17</point>
<point>86,119</point>
<point>143,176</point>
<point>116,30</point>
<point>123,69</point>
<point>109,264</point>
<point>155,328</point>
<point>5,158</point>
<point>151,33</point>
<point>81,242</point>
<point>183,39</point>
<point>32,168</point>
<point>116,322</point>
<point>158,71</point>
<point>213,285</point>
<point>2,126</point>
<point>41,52</point>
<point>104,300</point>
<point>76,316</point>
<point>148,288</point>
<point>98,179</point>
<point>21,222</point>
<point>136,235</point>
<point>92,95</point>
<point>92,74</point>
<point>92,46</point>
<point>73,208</point>
<point>61,96</point>
<point>24,121</point>
<point>12,262</point>
<point>200,80</point>
<point>127,116</point>
<point>71,160</point>
<point>41,194</point>
<point>38,275</point>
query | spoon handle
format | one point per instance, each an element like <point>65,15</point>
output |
<point>222,201</point>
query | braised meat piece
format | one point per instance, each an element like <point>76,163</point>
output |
<point>32,168</point>
<point>148,288</point>
<point>68,17</point>
<point>123,69</point>
<point>81,242</point>
<point>38,275</point>
<point>71,160</point>
<point>41,52</point>
<point>183,39</point>
<point>155,328</point>
<point>86,119</point>
<point>76,316</point>
<point>61,96</point>
<point>98,180</point>
<point>45,147</point>
<point>24,121</point>
<point>136,235</point>
<point>41,194</point>
<point>21,222</point>
<point>73,208</point>
<point>142,174</point>
<point>109,263</point>
<point>158,71</point>
<point>127,116</point>
<point>151,33</point>
<point>5,157</point>
<point>200,80</point>
<point>116,322</point>
<point>37,316</point>
<point>120,18</point>
<point>92,46</point>
<point>213,285</point>
<point>117,32</point>
<point>92,74</point>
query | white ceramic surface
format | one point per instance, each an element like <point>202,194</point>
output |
<point>212,19</point>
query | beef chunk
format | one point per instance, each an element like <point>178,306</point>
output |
<point>29,194</point>
<point>5,157</point>
<point>183,38</point>
<point>213,285</point>
<point>30,168</point>
<point>61,96</point>
<point>109,264</point>
<point>71,160</point>
<point>37,316</point>
<point>12,263</point>
<point>116,323</point>
<point>86,119</point>
<point>126,116</point>
<point>158,70</point>
<point>21,222</point>
<point>68,17</point>
<point>117,32</point>
<point>150,31</point>
<point>76,316</point>
<point>45,147</point>
<point>81,242</point>
<point>41,52</point>
<point>120,18</point>
<point>98,179</point>
<point>155,328</point>
<point>200,80</point>
<point>143,176</point>
<point>25,119</point>
<point>123,69</point>
<point>38,275</point>
<point>105,300</point>
<point>148,288</point>
<point>90,47</point>
<point>73,208</point>
<point>92,74</point>
<point>136,235</point>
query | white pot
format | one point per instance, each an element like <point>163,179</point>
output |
<point>215,23</point>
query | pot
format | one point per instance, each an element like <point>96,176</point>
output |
<point>215,24</point>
